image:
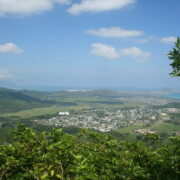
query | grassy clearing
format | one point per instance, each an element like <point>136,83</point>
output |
<point>120,106</point>
<point>130,129</point>
<point>43,111</point>
<point>128,133</point>
<point>163,127</point>
<point>66,104</point>
<point>105,103</point>
<point>160,127</point>
<point>99,102</point>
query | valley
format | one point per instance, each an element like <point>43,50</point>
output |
<point>115,112</point>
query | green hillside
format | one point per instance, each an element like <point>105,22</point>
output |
<point>12,101</point>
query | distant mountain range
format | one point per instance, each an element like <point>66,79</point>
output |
<point>16,100</point>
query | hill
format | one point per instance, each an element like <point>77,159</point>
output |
<point>73,94</point>
<point>12,101</point>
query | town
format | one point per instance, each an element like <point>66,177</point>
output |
<point>107,119</point>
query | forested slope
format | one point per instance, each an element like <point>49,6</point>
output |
<point>93,156</point>
<point>11,101</point>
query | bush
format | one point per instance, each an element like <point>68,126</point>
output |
<point>56,155</point>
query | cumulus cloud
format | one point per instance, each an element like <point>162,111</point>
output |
<point>111,52</point>
<point>4,75</point>
<point>27,7</point>
<point>98,5</point>
<point>170,39</point>
<point>115,32</point>
<point>134,52</point>
<point>10,48</point>
<point>107,51</point>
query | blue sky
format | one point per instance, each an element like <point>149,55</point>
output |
<point>65,44</point>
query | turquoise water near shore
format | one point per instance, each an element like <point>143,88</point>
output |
<point>174,95</point>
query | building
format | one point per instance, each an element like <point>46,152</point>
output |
<point>64,113</point>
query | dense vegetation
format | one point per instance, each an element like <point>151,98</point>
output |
<point>174,56</point>
<point>90,155</point>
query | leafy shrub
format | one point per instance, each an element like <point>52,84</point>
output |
<point>57,155</point>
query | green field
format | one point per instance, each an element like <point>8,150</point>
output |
<point>73,104</point>
<point>43,111</point>
<point>100,103</point>
<point>130,129</point>
<point>163,127</point>
<point>159,127</point>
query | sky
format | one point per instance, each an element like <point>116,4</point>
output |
<point>88,44</point>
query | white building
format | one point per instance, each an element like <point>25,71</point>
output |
<point>64,113</point>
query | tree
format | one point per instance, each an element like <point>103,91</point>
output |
<point>174,55</point>
<point>56,155</point>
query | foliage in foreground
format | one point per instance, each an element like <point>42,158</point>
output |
<point>174,55</point>
<point>56,155</point>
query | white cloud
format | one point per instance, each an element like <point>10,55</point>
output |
<point>116,32</point>
<point>170,39</point>
<point>111,52</point>
<point>27,7</point>
<point>134,52</point>
<point>98,5</point>
<point>6,75</point>
<point>107,51</point>
<point>10,48</point>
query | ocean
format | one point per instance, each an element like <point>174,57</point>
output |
<point>174,95</point>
